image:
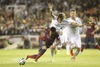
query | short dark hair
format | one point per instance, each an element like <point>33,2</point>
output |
<point>53,29</point>
<point>60,16</point>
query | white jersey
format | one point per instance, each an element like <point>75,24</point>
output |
<point>74,34</point>
<point>54,22</point>
<point>57,25</point>
<point>74,31</point>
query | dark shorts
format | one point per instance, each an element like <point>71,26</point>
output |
<point>45,44</point>
<point>89,40</point>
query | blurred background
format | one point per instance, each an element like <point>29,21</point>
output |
<point>18,19</point>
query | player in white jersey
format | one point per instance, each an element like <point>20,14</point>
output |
<point>55,21</point>
<point>74,35</point>
<point>59,23</point>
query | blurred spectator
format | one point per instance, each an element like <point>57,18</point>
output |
<point>1,44</point>
<point>26,44</point>
<point>36,14</point>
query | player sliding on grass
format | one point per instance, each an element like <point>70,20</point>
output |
<point>49,38</point>
<point>47,42</point>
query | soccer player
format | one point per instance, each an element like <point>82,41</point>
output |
<point>92,28</point>
<point>74,35</point>
<point>40,39</point>
<point>47,42</point>
<point>59,24</point>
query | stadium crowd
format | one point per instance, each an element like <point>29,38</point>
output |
<point>37,14</point>
<point>28,21</point>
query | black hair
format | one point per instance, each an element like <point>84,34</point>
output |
<point>60,16</point>
<point>53,29</point>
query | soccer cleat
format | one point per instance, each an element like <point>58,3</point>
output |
<point>35,61</point>
<point>27,57</point>
<point>73,58</point>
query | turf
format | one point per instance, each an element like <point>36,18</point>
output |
<point>89,58</point>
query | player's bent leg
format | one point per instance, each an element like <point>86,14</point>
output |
<point>68,49</point>
<point>31,56</point>
<point>41,52</point>
<point>75,54</point>
<point>52,52</point>
<point>71,52</point>
<point>83,46</point>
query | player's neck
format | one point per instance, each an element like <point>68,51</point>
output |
<point>73,18</point>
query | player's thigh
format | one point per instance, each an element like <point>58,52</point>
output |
<point>86,40</point>
<point>92,40</point>
<point>77,41</point>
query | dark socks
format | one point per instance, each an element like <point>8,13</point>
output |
<point>83,47</point>
<point>98,47</point>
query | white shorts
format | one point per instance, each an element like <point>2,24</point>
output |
<point>76,41</point>
<point>63,37</point>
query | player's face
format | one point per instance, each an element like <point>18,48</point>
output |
<point>72,14</point>
<point>59,20</point>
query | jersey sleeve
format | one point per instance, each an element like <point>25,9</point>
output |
<point>55,17</point>
<point>70,20</point>
<point>79,21</point>
<point>62,25</point>
<point>53,23</point>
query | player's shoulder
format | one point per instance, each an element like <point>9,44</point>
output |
<point>68,18</point>
<point>77,18</point>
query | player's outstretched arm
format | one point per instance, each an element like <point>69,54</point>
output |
<point>96,29</point>
<point>50,9</point>
<point>76,24</point>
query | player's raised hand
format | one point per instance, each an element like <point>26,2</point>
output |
<point>50,6</point>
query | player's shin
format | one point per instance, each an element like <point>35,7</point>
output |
<point>98,47</point>
<point>68,49</point>
<point>52,52</point>
<point>77,52</point>
<point>83,47</point>
<point>40,54</point>
<point>31,56</point>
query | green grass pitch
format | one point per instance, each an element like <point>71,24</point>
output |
<point>89,58</point>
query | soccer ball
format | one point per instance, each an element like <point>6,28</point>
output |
<point>21,61</point>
